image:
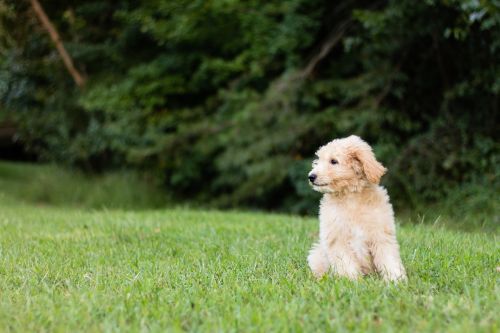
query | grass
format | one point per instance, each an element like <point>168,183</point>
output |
<point>71,269</point>
<point>56,186</point>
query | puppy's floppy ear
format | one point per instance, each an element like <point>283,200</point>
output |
<point>362,152</point>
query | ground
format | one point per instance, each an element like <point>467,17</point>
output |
<point>76,269</point>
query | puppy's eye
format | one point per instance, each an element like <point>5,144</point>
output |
<point>334,161</point>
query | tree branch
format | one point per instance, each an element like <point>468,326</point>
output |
<point>328,44</point>
<point>68,62</point>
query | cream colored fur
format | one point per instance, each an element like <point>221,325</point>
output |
<point>357,234</point>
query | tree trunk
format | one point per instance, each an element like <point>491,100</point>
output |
<point>68,62</point>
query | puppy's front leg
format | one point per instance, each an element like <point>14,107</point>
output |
<point>318,262</point>
<point>342,262</point>
<point>387,260</point>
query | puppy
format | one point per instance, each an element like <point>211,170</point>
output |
<point>357,234</point>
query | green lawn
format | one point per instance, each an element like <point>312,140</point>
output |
<point>72,269</point>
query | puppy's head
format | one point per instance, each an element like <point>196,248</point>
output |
<point>346,164</point>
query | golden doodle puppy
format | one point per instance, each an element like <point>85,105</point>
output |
<point>357,234</point>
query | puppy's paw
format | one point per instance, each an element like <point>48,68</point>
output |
<point>318,268</point>
<point>348,272</point>
<point>395,276</point>
<point>318,274</point>
<point>318,262</point>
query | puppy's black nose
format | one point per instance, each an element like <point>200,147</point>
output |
<point>312,177</point>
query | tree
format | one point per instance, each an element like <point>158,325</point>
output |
<point>225,102</point>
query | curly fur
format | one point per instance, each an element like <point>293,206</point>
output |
<point>357,231</point>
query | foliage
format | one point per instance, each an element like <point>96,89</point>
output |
<point>226,101</point>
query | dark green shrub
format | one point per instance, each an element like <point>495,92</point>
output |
<point>226,102</point>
